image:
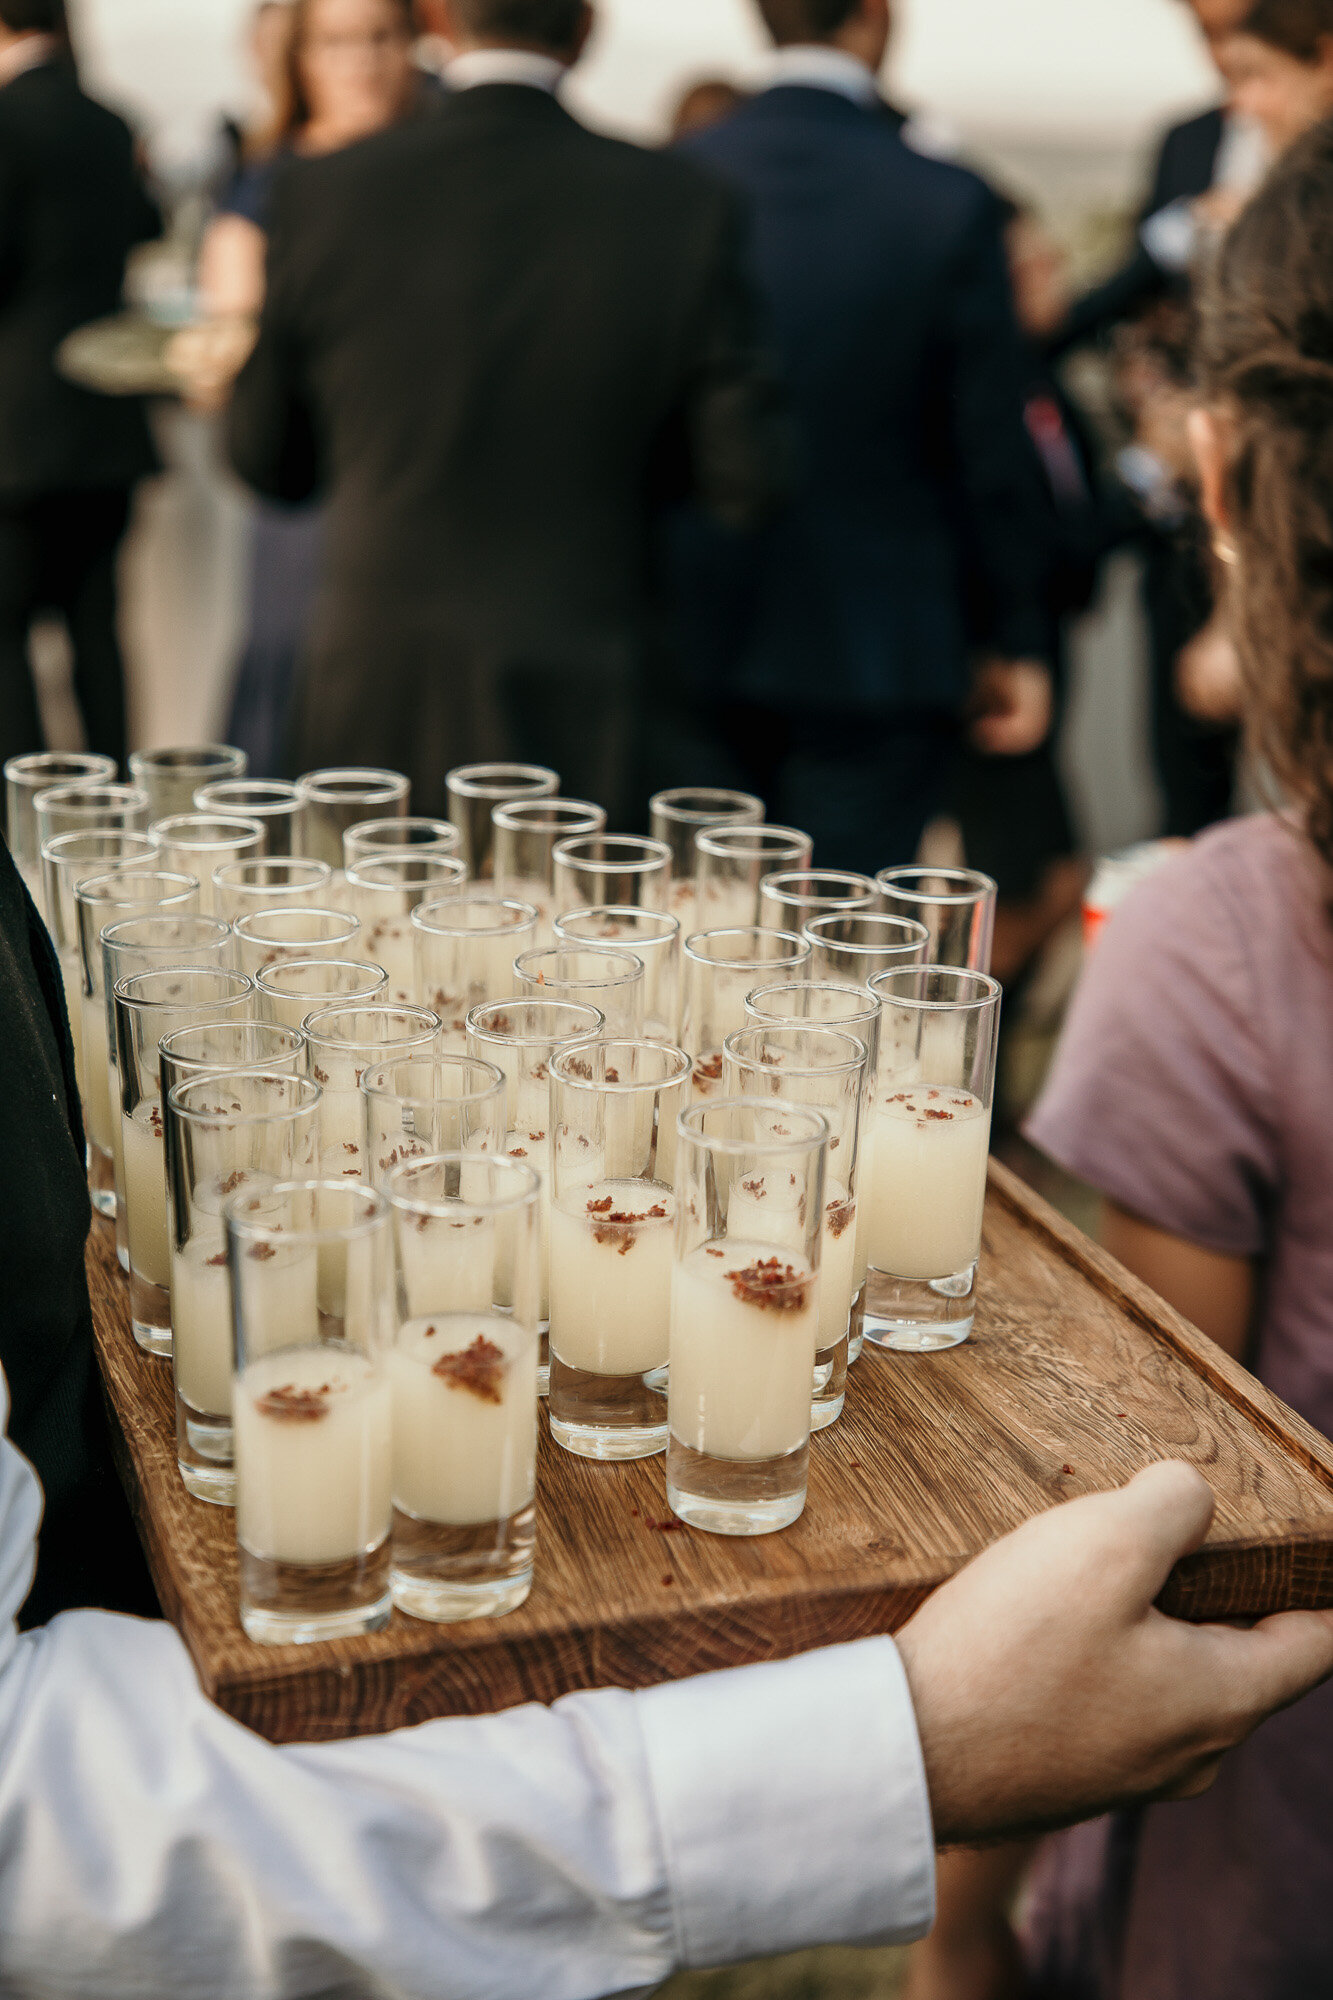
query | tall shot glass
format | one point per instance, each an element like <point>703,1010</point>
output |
<point>171,777</point>
<point>25,777</point>
<point>928,1142</point>
<point>855,945</point>
<point>342,1043</point>
<point>732,861</point>
<point>597,868</point>
<point>465,949</point>
<point>271,801</point>
<point>720,968</point>
<point>614,1106</point>
<point>825,1070</point>
<point>654,938</point>
<point>226,1130</point>
<point>464,1375</point>
<point>84,808</point>
<point>68,860</point>
<point>744,1318</point>
<point>334,800</point>
<point>790,898</point>
<point>312,1413</point>
<point>200,843</point>
<point>475,790</point>
<point>678,817</point>
<point>527,833</point>
<point>284,882</point>
<point>297,987</point>
<point>392,839</point>
<point>417,1106</point>
<point>383,892</point>
<point>593,975</point>
<point>265,938</point>
<point>956,905</point>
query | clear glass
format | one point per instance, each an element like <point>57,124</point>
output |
<point>269,937</point>
<point>925,1155</point>
<point>654,939</point>
<point>100,901</point>
<point>271,801</point>
<point>384,891</point>
<point>81,808</point>
<point>156,939</point>
<point>602,868</point>
<point>333,801</point>
<point>464,1376</point>
<point>295,988</point>
<point>419,1105</point>
<point>172,777</point>
<point>25,777</point>
<point>522,1038</point>
<point>245,888</point>
<point>311,1267</point>
<point>609,980</point>
<point>744,1315</point>
<point>732,861</point>
<point>149,1006</point>
<point>678,816</point>
<point>474,792</point>
<point>825,1069</point>
<point>384,839</point>
<point>787,901</point>
<point>855,945</point>
<point>720,968</point>
<point>342,1043</point>
<point>465,950</point>
<point>956,905</point>
<point>526,837</point>
<point>226,1130</point>
<point>67,861</point>
<point>614,1107</point>
<point>199,843</point>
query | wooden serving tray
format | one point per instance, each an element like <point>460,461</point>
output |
<point>1077,1375</point>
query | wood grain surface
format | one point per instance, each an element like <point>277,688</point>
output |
<point>1076,1377</point>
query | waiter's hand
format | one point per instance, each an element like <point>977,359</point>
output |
<point>1048,1688</point>
<point>1012,707</point>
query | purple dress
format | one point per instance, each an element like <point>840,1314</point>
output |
<point>1194,1087</point>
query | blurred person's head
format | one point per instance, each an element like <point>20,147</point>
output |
<point>860,27</point>
<point>1264,445</point>
<point>709,102</point>
<point>33,17</point>
<point>1279,67</point>
<point>1038,270</point>
<point>348,70</point>
<point>549,27</point>
<point>1217,19</point>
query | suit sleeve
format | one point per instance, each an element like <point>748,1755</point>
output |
<point>1138,281</point>
<point>273,434</point>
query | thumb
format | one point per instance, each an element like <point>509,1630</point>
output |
<point>1164,1513</point>
<point>1278,1661</point>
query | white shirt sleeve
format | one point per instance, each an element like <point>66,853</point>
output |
<point>149,1846</point>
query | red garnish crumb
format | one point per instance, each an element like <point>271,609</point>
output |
<point>715,1253</point>
<point>602,1207</point>
<point>232,1182</point>
<point>320,1076</point>
<point>668,1527</point>
<point>291,1405</point>
<point>261,1252</point>
<point>479,1369</point>
<point>666,1580</point>
<point>771,1285</point>
<point>708,1069</point>
<point>217,1261</point>
<point>1067,1468</point>
<point>839,1214</point>
<point>755,1187</point>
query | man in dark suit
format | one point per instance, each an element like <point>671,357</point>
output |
<point>501,342</point>
<point>72,205</point>
<point>833,656</point>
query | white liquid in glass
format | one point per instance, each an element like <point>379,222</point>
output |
<point>769,1207</point>
<point>744,1331</point>
<point>98,1108</point>
<point>146,1193</point>
<point>464,1418</point>
<point>611,1247</point>
<point>927,1186</point>
<point>313,1429</point>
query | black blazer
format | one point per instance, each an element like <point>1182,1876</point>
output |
<point>72,206</point>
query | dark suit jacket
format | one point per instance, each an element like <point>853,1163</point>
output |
<point>72,206</point>
<point>499,342</point>
<point>918,531</point>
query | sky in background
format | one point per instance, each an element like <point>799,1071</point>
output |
<point>1093,72</point>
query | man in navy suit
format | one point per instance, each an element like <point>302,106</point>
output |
<point>828,661</point>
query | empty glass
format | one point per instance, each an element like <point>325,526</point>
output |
<point>855,945</point>
<point>956,905</point>
<point>732,861</point>
<point>267,937</point>
<point>342,1043</point>
<point>244,888</point>
<point>788,900</point>
<point>677,816</point>
<point>474,792</point>
<point>464,956</point>
<point>197,843</point>
<point>654,939</point>
<point>383,839</point>
<point>601,868</point>
<point>25,777</point>
<point>333,801</point>
<point>296,987</point>
<point>720,968</point>
<point>384,890</point>
<point>172,777</point>
<point>526,836</point>
<point>275,804</point>
<point>609,980</point>
<point>419,1105</point>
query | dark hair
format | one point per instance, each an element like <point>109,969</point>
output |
<point>292,110</point>
<point>551,24</point>
<point>790,21</point>
<point>1297,27</point>
<point>1266,358</point>
<point>43,17</point>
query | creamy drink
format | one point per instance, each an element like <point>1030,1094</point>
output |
<point>928,1189</point>
<point>99,1109</point>
<point>611,1252</point>
<point>146,1194</point>
<point>744,1327</point>
<point>282,1311</point>
<point>450,1256</point>
<point>464,957</point>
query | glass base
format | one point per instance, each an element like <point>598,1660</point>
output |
<point>730,1496</point>
<point>453,1603</point>
<point>544,1363</point>
<point>150,1315</point>
<point>610,1443</point>
<point>204,1453</point>
<point>856,1331</point>
<point>122,1239</point>
<point>480,1570</point>
<point>606,1416</point>
<point>830,1385</point>
<point>298,1604</point>
<point>920,1315</point>
<point>824,1414</point>
<point>102,1182</point>
<point>214,1483</point>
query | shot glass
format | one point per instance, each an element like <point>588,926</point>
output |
<point>527,834</point>
<point>82,808</point>
<point>678,816</point>
<point>854,945</point>
<point>956,905</point>
<point>928,1141</point>
<point>826,1070</point>
<point>25,777</point>
<point>383,892</point>
<point>654,939</point>
<point>100,901</point>
<point>295,988</point>
<point>172,777</point>
<point>150,1006</point>
<point>597,869</point>
<point>789,899</point>
<point>247,888</point>
<point>271,801</point>
<point>268,937</point>
<point>392,839</point>
<point>744,1317</point>
<point>614,1107</point>
<point>474,792</point>
<point>332,801</point>
<point>720,968</point>
<point>199,843</point>
<point>464,1376</point>
<point>67,861</point>
<point>732,861</point>
<point>312,1409</point>
<point>416,1106</point>
<point>342,1043</point>
<point>227,1130</point>
<point>593,975</point>
<point>464,951</point>
<point>522,1037</point>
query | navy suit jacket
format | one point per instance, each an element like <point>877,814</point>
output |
<point>918,531</point>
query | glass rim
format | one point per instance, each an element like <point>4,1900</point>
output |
<point>510,816</point>
<point>211,1027</point>
<point>166,829</point>
<point>336,784</point>
<point>257,861</point>
<point>264,981</point>
<point>242,990</point>
<point>899,924</point>
<point>355,871</point>
<point>426,1020</point>
<point>728,842</point>
<point>621,912</point>
<point>669,805</point>
<point>593,1022</point>
<point>33,768</point>
<point>485,781</point>
<point>55,846</point>
<point>281,796</point>
<point>857,1061</point>
<point>308,1095</point>
<point>217,933</point>
<point>690,1123</point>
<point>622,978</point>
<point>123,798</point>
<point>440,829</point>
<point>373,1086</point>
<point>241,926</point>
<point>375,1212</point>
<point>747,964</point>
<point>85,892</point>
<point>776,883</point>
<point>423,917</point>
<point>681,1063</point>
<point>978,992</point>
<point>527,1192</point>
<point>868,1010</point>
<point>648,854</point>
<point>974,886</point>
<point>185,757</point>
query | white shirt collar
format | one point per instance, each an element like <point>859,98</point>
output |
<point>28,53</point>
<point>523,66</point>
<point>819,67</point>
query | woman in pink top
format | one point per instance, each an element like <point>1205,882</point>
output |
<point>1194,1089</point>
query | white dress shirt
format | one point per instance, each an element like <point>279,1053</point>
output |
<point>524,66</point>
<point>152,1849</point>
